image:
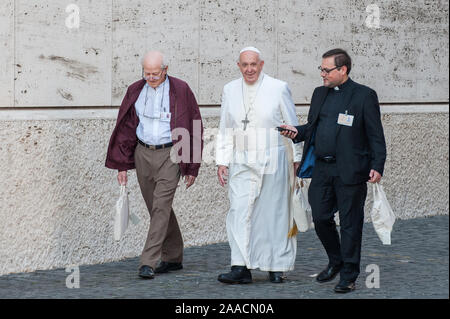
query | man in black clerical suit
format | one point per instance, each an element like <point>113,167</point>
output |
<point>344,149</point>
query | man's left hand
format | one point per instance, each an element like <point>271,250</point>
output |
<point>189,180</point>
<point>375,177</point>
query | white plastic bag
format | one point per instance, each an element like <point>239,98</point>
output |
<point>122,214</point>
<point>383,217</point>
<point>301,206</point>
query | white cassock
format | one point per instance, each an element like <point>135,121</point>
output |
<point>261,173</point>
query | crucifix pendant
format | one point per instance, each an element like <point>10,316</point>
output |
<point>246,121</point>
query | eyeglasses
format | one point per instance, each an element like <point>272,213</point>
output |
<point>327,71</point>
<point>152,76</point>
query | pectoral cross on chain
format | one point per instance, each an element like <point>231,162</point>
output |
<point>246,121</point>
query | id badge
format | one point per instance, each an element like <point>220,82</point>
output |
<point>165,116</point>
<point>345,119</point>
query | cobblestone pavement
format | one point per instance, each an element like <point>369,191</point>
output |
<point>416,265</point>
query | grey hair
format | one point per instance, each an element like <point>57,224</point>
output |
<point>164,62</point>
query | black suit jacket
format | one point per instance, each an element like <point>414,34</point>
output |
<point>360,147</point>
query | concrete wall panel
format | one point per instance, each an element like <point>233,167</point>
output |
<point>63,66</point>
<point>432,35</point>
<point>168,26</point>
<point>306,30</point>
<point>403,59</point>
<point>225,28</point>
<point>7,53</point>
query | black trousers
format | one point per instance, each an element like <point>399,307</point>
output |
<point>327,195</point>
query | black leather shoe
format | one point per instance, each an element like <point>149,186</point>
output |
<point>238,275</point>
<point>344,286</point>
<point>146,272</point>
<point>329,273</point>
<point>164,267</point>
<point>276,277</point>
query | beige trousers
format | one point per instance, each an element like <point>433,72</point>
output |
<point>158,178</point>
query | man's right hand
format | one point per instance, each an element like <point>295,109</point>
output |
<point>122,178</point>
<point>222,171</point>
<point>291,135</point>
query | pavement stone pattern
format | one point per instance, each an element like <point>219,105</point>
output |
<point>416,265</point>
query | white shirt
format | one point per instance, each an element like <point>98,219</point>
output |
<point>250,93</point>
<point>152,108</point>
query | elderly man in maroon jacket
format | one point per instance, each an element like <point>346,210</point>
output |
<point>159,132</point>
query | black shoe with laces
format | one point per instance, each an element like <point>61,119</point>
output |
<point>146,272</point>
<point>344,286</point>
<point>237,275</point>
<point>329,273</point>
<point>164,267</point>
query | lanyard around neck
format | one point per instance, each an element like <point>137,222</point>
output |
<point>162,97</point>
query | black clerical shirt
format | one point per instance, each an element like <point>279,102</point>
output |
<point>325,140</point>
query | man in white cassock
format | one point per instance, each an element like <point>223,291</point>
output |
<point>260,166</point>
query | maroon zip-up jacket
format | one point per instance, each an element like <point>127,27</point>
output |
<point>184,110</point>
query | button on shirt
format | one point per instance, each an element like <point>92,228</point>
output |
<point>325,141</point>
<point>152,129</point>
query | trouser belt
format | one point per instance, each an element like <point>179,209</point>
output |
<point>155,147</point>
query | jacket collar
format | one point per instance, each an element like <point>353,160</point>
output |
<point>140,85</point>
<point>344,86</point>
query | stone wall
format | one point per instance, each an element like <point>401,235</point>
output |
<point>399,47</point>
<point>57,198</point>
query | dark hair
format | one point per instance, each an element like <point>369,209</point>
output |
<point>341,58</point>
